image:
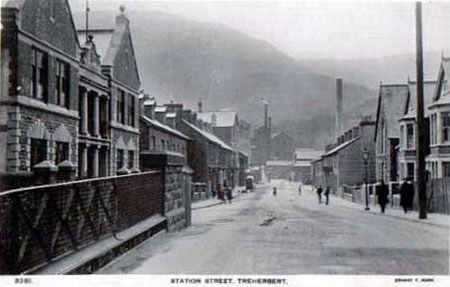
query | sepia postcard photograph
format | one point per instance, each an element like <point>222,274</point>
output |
<point>224,143</point>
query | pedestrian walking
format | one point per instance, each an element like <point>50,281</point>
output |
<point>319,193</point>
<point>383,194</point>
<point>300,189</point>
<point>229,195</point>
<point>406,195</point>
<point>274,191</point>
<point>327,195</point>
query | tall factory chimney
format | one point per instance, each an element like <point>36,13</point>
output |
<point>339,116</point>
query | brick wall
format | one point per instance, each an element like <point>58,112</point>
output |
<point>39,224</point>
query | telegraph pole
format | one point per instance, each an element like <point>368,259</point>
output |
<point>420,144</point>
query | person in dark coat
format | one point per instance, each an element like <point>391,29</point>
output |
<point>327,195</point>
<point>406,195</point>
<point>274,191</point>
<point>319,193</point>
<point>383,193</point>
<point>229,195</point>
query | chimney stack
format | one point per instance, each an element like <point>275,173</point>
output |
<point>338,116</point>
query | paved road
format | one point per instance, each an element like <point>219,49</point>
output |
<point>290,234</point>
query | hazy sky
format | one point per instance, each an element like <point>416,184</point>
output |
<point>312,30</point>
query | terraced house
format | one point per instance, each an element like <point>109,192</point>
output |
<point>66,106</point>
<point>438,161</point>
<point>391,105</point>
<point>407,150</point>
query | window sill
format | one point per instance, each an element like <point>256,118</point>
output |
<point>50,108</point>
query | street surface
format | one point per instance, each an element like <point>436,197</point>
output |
<point>291,234</point>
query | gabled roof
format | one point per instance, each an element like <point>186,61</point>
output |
<point>223,118</point>
<point>109,39</point>
<point>410,104</point>
<point>391,102</point>
<point>168,129</point>
<point>210,137</point>
<point>281,135</point>
<point>341,146</point>
<point>442,97</point>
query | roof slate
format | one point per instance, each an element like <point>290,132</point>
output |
<point>392,102</point>
<point>209,136</point>
<point>164,127</point>
<point>410,105</point>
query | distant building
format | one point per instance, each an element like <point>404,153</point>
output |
<point>302,163</point>
<point>210,158</point>
<point>391,105</point>
<point>226,126</point>
<point>438,161</point>
<point>261,146</point>
<point>282,146</point>
<point>407,151</point>
<point>343,162</point>
<point>279,169</point>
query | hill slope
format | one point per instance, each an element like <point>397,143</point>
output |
<point>188,61</point>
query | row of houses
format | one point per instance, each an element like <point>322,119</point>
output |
<point>396,128</point>
<point>71,104</point>
<point>385,148</point>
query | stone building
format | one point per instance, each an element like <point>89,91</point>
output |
<point>343,161</point>
<point>210,158</point>
<point>438,161</point>
<point>226,126</point>
<point>118,63</point>
<point>39,86</point>
<point>391,104</point>
<point>407,123</point>
<point>66,106</point>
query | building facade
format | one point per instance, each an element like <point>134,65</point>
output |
<point>39,97</point>
<point>343,162</point>
<point>438,161</point>
<point>391,103</point>
<point>66,106</point>
<point>407,149</point>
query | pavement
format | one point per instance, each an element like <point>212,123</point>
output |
<point>391,211</point>
<point>291,234</point>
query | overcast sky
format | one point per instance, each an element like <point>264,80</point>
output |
<point>311,30</point>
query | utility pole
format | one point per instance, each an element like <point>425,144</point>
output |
<point>420,144</point>
<point>87,20</point>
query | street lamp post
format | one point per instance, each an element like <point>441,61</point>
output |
<point>366,159</point>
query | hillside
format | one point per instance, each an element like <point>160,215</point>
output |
<point>370,72</point>
<point>188,61</point>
